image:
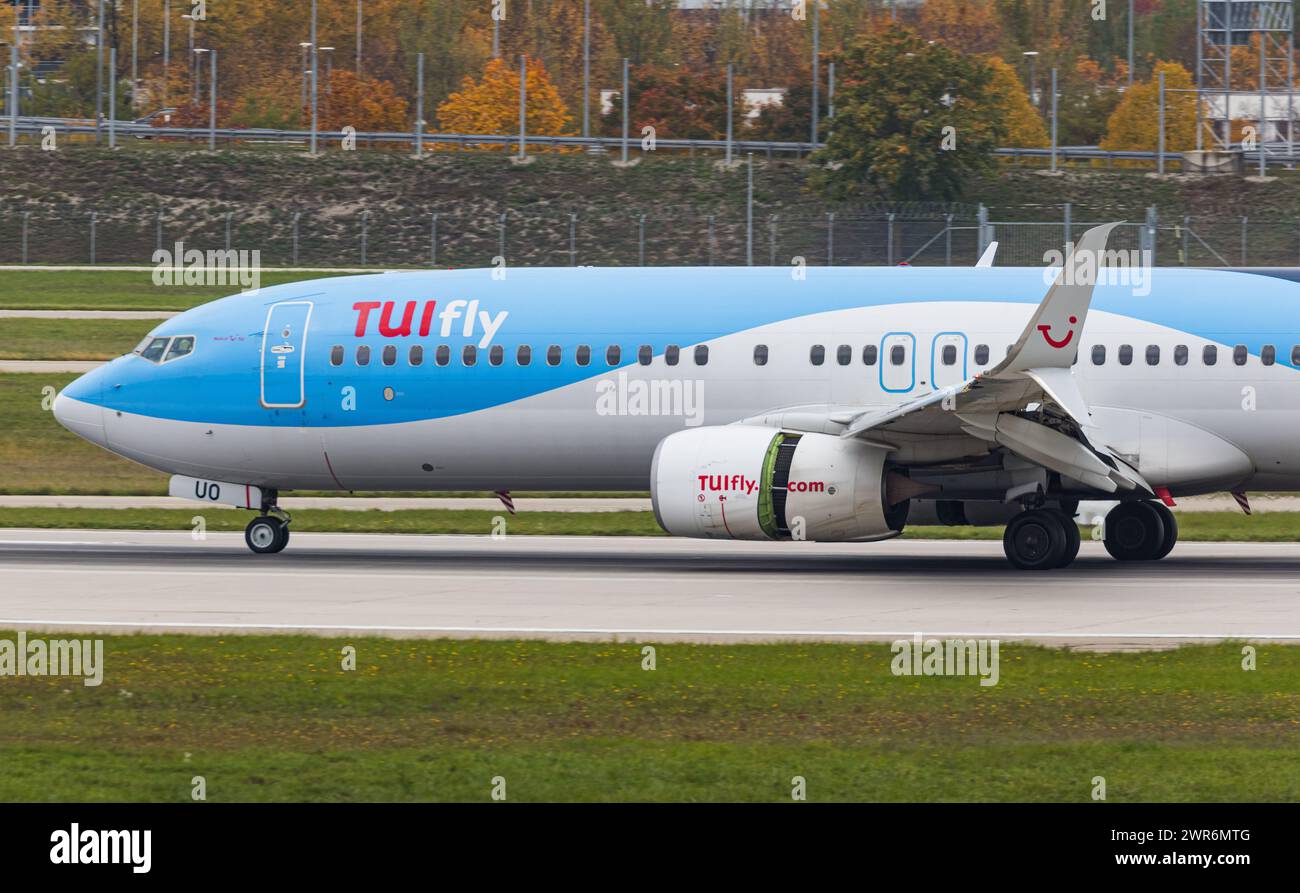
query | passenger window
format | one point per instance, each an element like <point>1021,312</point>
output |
<point>760,354</point>
<point>981,354</point>
<point>1180,355</point>
<point>1153,354</point>
<point>1126,354</point>
<point>949,355</point>
<point>613,355</point>
<point>416,355</point>
<point>672,353</point>
<point>817,354</point>
<point>897,355</point>
<point>524,355</point>
<point>363,355</point>
<point>1239,354</point>
<point>844,354</point>
<point>1210,355</point>
<point>644,354</point>
<point>181,346</point>
<point>583,355</point>
<point>702,355</point>
<point>1099,355</point>
<point>390,354</point>
<point>496,355</point>
<point>154,351</point>
<point>1268,355</point>
<point>553,355</point>
<point>336,355</point>
<point>469,355</point>
<point>869,355</point>
<point>442,356</point>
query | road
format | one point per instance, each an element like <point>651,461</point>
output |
<point>639,588</point>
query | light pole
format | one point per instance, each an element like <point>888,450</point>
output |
<point>196,65</point>
<point>586,68</point>
<point>193,60</point>
<point>302,103</point>
<point>315,120</point>
<point>135,53</point>
<point>167,51</point>
<point>360,4</point>
<point>1032,57</point>
<point>1130,44</point>
<point>99,68</point>
<point>816,51</point>
<point>329,65</point>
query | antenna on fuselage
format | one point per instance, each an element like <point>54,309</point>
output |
<point>986,259</point>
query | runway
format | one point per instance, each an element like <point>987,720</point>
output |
<point>638,588</point>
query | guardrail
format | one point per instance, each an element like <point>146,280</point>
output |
<point>1278,154</point>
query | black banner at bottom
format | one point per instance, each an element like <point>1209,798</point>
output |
<point>212,841</point>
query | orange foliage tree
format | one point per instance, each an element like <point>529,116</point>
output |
<point>364,103</point>
<point>971,26</point>
<point>491,104</point>
<point>1135,122</point>
<point>1024,126</point>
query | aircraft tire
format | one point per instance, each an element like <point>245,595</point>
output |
<point>266,535</point>
<point>1073,539</point>
<point>1171,530</point>
<point>1135,531</point>
<point>1036,540</point>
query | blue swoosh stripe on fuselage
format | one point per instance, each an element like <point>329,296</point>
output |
<point>629,307</point>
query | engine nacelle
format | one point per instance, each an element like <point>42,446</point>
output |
<point>751,482</point>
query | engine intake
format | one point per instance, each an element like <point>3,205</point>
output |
<point>752,482</point>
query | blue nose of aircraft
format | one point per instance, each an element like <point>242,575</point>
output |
<point>78,407</point>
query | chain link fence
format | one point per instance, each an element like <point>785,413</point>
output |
<point>663,237</point>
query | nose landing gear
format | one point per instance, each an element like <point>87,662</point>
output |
<point>268,533</point>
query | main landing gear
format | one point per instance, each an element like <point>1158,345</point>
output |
<point>268,533</point>
<point>1140,531</point>
<point>1041,539</point>
<point>1045,538</point>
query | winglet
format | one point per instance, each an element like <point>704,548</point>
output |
<point>986,259</point>
<point>1051,340</point>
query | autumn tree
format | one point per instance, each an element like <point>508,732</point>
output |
<point>971,26</point>
<point>1135,124</point>
<point>1022,122</point>
<point>491,104</point>
<point>642,30</point>
<point>677,104</point>
<point>364,103</point>
<point>913,120</point>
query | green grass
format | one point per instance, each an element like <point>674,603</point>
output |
<point>1274,527</point>
<point>110,289</point>
<point>276,718</point>
<point>443,521</point>
<point>71,339</point>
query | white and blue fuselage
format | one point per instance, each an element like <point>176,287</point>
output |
<point>567,379</point>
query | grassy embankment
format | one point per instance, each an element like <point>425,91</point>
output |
<point>276,718</point>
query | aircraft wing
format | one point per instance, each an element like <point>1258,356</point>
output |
<point>1029,403</point>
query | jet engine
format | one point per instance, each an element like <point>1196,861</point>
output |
<point>751,482</point>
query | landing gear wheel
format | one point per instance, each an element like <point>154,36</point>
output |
<point>1135,531</point>
<point>266,535</point>
<point>1073,539</point>
<point>1036,540</point>
<point>1171,530</point>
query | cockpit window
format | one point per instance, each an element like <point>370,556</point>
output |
<point>154,350</point>
<point>182,345</point>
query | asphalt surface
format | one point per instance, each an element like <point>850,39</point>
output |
<point>639,588</point>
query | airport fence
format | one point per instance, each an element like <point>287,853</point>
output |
<point>460,237</point>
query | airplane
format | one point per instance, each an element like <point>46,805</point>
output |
<point>828,404</point>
